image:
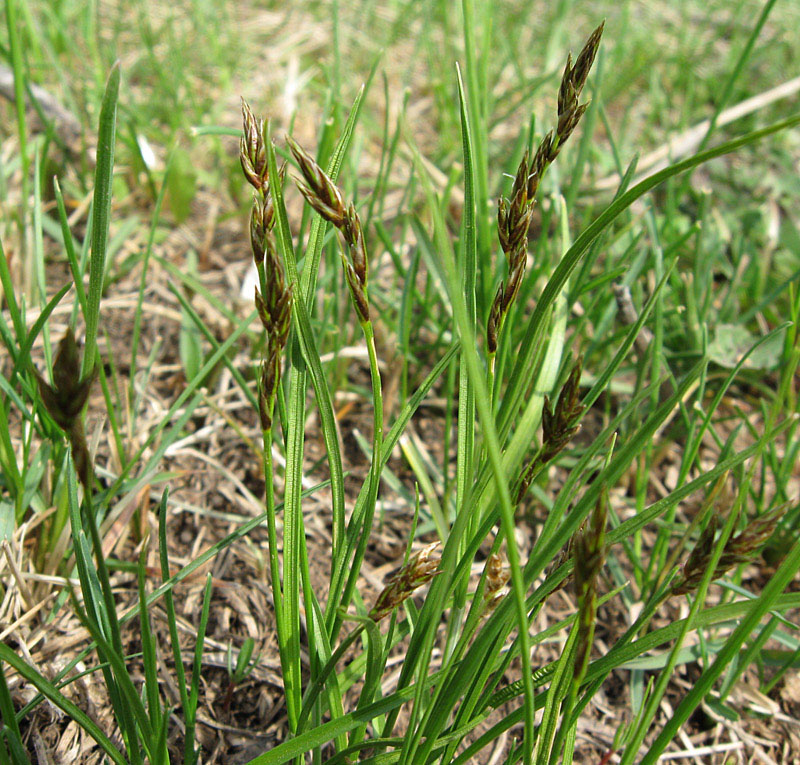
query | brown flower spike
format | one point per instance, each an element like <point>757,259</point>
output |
<point>559,425</point>
<point>252,149</point>
<point>590,553</point>
<point>514,214</point>
<point>738,549</point>
<point>497,576</point>
<point>326,198</point>
<point>65,400</point>
<point>419,570</point>
<point>274,297</point>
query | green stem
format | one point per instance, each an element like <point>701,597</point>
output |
<point>491,366</point>
<point>313,691</point>
<point>272,535</point>
<point>374,474</point>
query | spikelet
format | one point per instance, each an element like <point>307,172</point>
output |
<point>419,570</point>
<point>514,214</point>
<point>326,198</point>
<point>64,401</point>
<point>739,549</point>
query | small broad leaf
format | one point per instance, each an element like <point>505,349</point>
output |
<point>732,341</point>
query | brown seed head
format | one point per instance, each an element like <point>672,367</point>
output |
<point>65,399</point>
<point>275,312</point>
<point>572,82</point>
<point>589,546</point>
<point>514,282</point>
<point>495,320</point>
<point>526,477</point>
<point>262,219</point>
<point>514,215</point>
<point>268,382</point>
<point>497,576</point>
<point>739,549</point>
<point>567,124</point>
<point>502,222</point>
<point>252,150</point>
<point>326,198</point>
<point>354,236</point>
<point>357,291</point>
<point>583,64</point>
<point>589,558</point>
<point>559,425</point>
<point>559,422</point>
<point>318,189</point>
<point>543,157</point>
<point>419,570</point>
<point>567,97</point>
<point>564,554</point>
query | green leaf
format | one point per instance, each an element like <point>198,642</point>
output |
<point>7,520</point>
<point>189,341</point>
<point>732,341</point>
<point>101,214</point>
<point>723,710</point>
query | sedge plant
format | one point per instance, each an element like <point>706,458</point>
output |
<point>470,670</point>
<point>451,696</point>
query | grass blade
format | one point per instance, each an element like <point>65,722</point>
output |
<point>101,219</point>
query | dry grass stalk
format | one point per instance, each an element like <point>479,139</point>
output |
<point>419,570</point>
<point>65,399</point>
<point>326,198</point>
<point>739,549</point>
<point>514,214</point>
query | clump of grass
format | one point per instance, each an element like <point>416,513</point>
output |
<point>468,674</point>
